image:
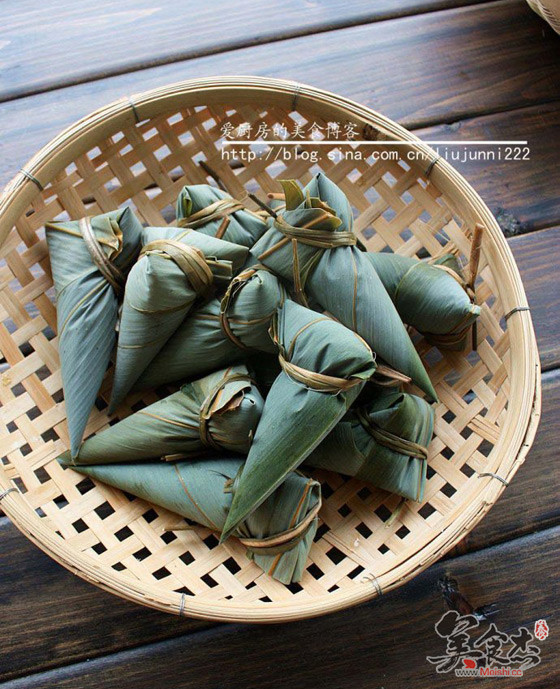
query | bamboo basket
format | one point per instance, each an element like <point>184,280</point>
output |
<point>549,10</point>
<point>140,151</point>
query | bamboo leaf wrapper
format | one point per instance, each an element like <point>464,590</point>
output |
<point>176,267</point>
<point>384,443</point>
<point>89,260</point>
<point>433,297</point>
<point>221,331</point>
<point>218,412</point>
<point>312,245</point>
<point>213,212</point>
<point>324,366</point>
<point>278,535</point>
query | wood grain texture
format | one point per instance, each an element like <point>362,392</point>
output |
<point>522,194</point>
<point>31,581</point>
<point>381,644</point>
<point>77,620</point>
<point>420,70</point>
<point>104,36</point>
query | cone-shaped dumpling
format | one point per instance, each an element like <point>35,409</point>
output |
<point>89,261</point>
<point>312,244</point>
<point>213,212</point>
<point>220,411</point>
<point>278,535</point>
<point>174,269</point>
<point>384,443</point>
<point>431,297</point>
<point>219,333</point>
<point>324,366</point>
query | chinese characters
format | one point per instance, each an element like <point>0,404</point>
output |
<point>492,650</point>
<point>294,131</point>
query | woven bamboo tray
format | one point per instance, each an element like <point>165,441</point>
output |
<point>141,150</point>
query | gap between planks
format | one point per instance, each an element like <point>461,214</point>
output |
<point>494,574</point>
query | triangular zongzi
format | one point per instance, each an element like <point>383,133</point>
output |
<point>384,443</point>
<point>89,261</point>
<point>325,365</point>
<point>221,331</point>
<point>312,245</point>
<point>432,297</point>
<point>278,535</point>
<point>218,412</point>
<point>175,268</point>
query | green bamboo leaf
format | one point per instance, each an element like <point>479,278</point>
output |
<point>326,266</point>
<point>278,535</point>
<point>428,298</point>
<point>87,303</point>
<point>218,412</point>
<point>292,193</point>
<point>321,188</point>
<point>213,212</point>
<point>221,331</point>
<point>325,365</point>
<point>176,267</point>
<point>383,443</point>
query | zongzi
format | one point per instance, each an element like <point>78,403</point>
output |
<point>174,269</point>
<point>220,332</point>
<point>432,297</point>
<point>325,365</point>
<point>312,245</point>
<point>277,535</point>
<point>213,212</point>
<point>89,261</point>
<point>384,443</point>
<point>219,411</point>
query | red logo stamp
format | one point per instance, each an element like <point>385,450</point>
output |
<point>541,630</point>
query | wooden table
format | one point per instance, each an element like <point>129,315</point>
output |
<point>444,68</point>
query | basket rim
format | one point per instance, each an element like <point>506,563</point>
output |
<point>525,400</point>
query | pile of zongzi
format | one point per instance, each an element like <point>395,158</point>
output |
<point>277,345</point>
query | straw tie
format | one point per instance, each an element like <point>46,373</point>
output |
<point>219,210</point>
<point>108,269</point>
<point>234,286</point>
<point>321,382</point>
<point>390,440</point>
<point>286,540</point>
<point>317,381</point>
<point>322,239</point>
<point>207,411</point>
<point>386,376</point>
<point>190,260</point>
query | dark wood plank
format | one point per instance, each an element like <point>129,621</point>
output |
<point>538,257</point>
<point>519,192</point>
<point>439,66</point>
<point>103,36</point>
<point>381,644</point>
<point>30,581</point>
<point>51,617</point>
